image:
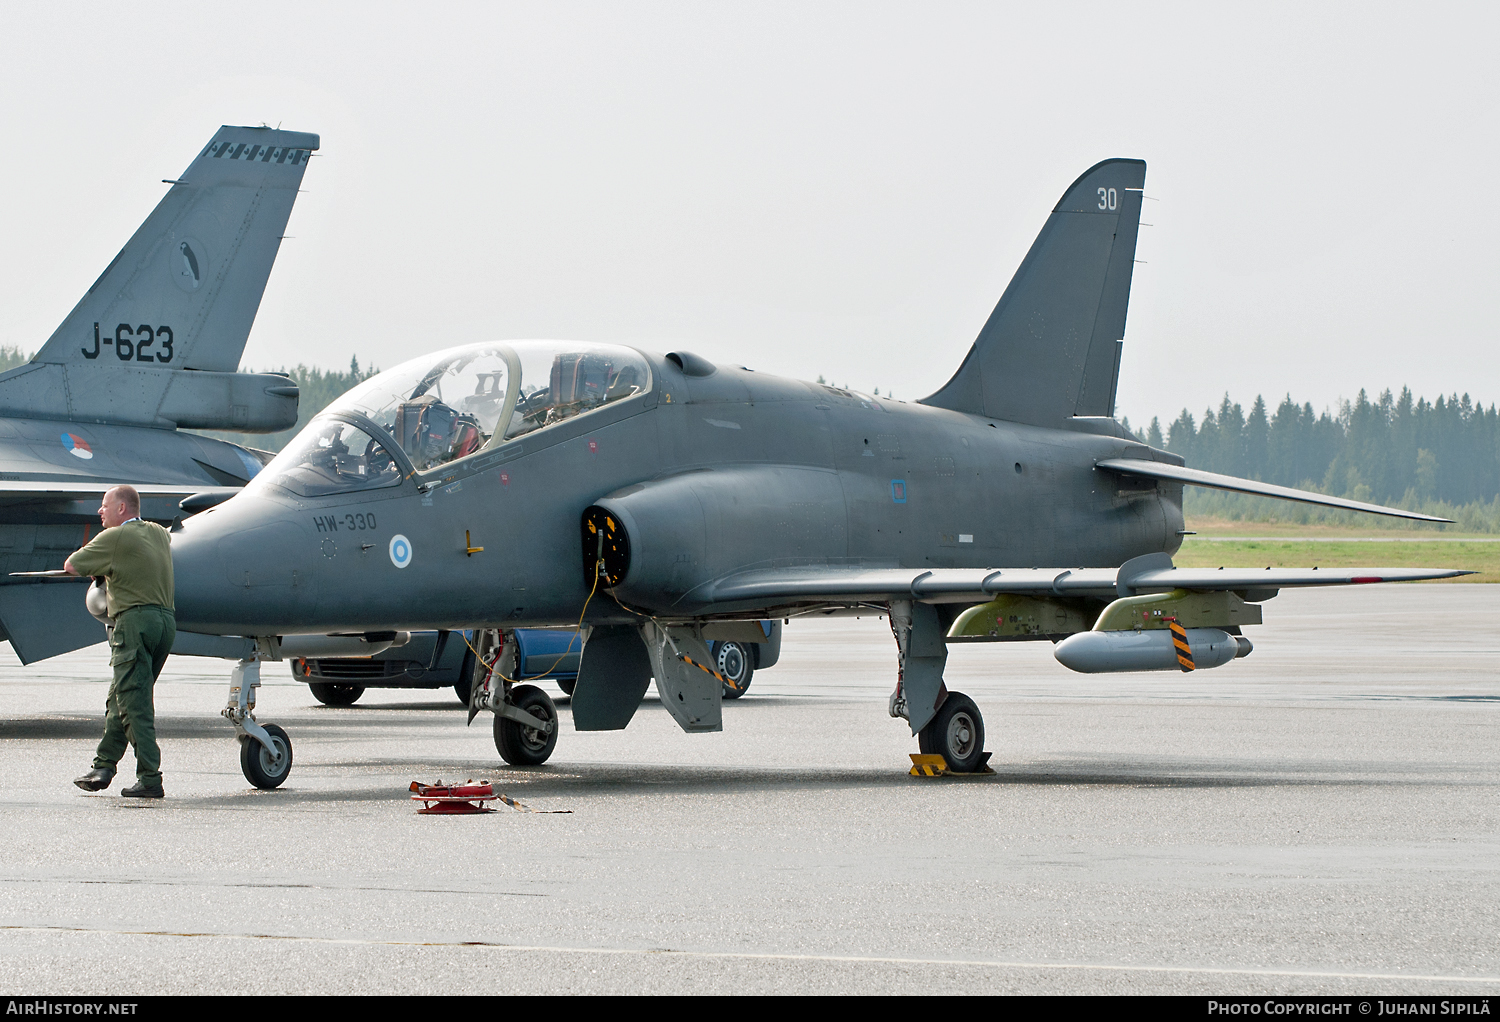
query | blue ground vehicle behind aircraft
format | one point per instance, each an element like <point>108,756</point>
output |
<point>444,659</point>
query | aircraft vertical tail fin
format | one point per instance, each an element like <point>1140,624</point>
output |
<point>184,291</point>
<point>1051,349</point>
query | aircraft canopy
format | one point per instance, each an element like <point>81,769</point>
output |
<point>453,403</point>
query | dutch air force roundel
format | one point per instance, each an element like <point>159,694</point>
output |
<point>77,446</point>
<point>400,551</point>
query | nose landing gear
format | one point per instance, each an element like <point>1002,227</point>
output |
<point>262,767</point>
<point>265,750</point>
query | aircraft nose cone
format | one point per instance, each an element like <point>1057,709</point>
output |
<point>242,569</point>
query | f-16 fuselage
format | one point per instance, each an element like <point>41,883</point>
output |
<point>720,472</point>
<point>40,527</point>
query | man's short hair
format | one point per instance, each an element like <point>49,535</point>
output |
<point>128,494</point>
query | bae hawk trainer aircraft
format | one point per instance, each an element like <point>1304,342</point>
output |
<point>669,502</point>
<point>151,347</point>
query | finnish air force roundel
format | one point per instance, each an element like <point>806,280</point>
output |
<point>400,551</point>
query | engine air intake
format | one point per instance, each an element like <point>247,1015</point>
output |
<point>604,539</point>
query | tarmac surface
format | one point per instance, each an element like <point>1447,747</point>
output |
<point>1321,817</point>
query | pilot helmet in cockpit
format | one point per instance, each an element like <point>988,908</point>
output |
<point>431,432</point>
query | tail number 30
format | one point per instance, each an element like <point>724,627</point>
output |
<point>1109,199</point>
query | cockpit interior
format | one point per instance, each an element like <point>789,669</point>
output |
<point>451,404</point>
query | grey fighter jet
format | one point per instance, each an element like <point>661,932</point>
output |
<point>667,502</point>
<point>152,347</point>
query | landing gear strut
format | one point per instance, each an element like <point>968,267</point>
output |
<point>265,750</point>
<point>525,716</point>
<point>946,723</point>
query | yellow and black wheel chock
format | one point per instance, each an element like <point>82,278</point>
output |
<point>931,765</point>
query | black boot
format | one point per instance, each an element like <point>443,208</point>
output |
<point>96,779</point>
<point>139,790</point>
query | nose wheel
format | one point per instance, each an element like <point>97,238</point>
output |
<point>265,749</point>
<point>266,767</point>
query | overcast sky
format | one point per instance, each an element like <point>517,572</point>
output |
<point>803,188</point>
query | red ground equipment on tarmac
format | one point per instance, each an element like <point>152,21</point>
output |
<point>443,799</point>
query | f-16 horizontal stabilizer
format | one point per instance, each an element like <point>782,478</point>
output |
<point>1213,480</point>
<point>1051,348</point>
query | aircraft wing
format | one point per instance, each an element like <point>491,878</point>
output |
<point>1213,480</point>
<point>159,501</point>
<point>958,585</point>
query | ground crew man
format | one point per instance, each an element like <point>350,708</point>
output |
<point>135,559</point>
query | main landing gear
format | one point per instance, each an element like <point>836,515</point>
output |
<point>946,723</point>
<point>522,743</point>
<point>956,732</point>
<point>525,716</point>
<point>265,749</point>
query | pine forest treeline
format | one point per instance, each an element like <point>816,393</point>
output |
<point>1442,455</point>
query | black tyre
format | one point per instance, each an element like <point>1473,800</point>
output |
<point>330,694</point>
<point>261,768</point>
<point>736,661</point>
<point>465,682</point>
<point>518,744</point>
<point>956,733</point>
<point>567,685</point>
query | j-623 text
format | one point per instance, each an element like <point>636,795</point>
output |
<point>130,343</point>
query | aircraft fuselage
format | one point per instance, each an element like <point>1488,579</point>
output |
<point>783,472</point>
<point>38,532</point>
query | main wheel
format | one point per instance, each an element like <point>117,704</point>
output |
<point>518,744</point>
<point>465,680</point>
<point>956,733</point>
<point>331,694</point>
<point>567,685</point>
<point>737,663</point>
<point>261,768</point>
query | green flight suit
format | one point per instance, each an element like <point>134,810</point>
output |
<point>135,560</point>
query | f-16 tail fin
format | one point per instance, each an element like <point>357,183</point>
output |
<point>183,292</point>
<point>1051,348</point>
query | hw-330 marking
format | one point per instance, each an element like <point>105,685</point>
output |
<point>351,523</point>
<point>130,343</point>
